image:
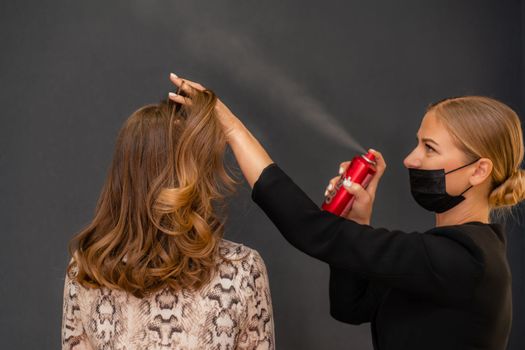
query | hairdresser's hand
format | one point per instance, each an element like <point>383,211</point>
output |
<point>361,211</point>
<point>250,154</point>
<point>230,123</point>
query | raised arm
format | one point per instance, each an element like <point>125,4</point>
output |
<point>250,154</point>
<point>441,261</point>
<point>253,158</point>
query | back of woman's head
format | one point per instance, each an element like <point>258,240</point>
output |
<point>484,127</point>
<point>159,217</point>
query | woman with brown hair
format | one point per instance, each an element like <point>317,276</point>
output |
<point>152,270</point>
<point>446,288</point>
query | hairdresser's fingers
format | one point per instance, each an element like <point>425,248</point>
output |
<point>183,87</point>
<point>186,85</point>
<point>331,185</point>
<point>192,83</point>
<point>360,194</point>
<point>380,170</point>
<point>343,166</point>
<point>180,99</point>
<point>195,85</point>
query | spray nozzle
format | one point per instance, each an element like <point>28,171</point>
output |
<point>370,157</point>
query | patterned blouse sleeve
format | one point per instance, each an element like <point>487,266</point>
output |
<point>258,330</point>
<point>73,333</point>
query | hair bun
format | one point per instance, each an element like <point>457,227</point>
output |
<point>510,192</point>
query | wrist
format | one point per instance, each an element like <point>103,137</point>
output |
<point>236,133</point>
<point>359,220</point>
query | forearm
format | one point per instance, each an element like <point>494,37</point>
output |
<point>250,154</point>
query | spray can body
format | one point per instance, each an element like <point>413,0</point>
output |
<point>361,170</point>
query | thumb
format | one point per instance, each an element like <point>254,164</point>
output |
<point>357,190</point>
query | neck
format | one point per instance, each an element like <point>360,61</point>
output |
<point>471,209</point>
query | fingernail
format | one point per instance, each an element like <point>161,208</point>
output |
<point>330,186</point>
<point>347,183</point>
<point>341,170</point>
<point>325,193</point>
<point>172,94</point>
<point>173,75</point>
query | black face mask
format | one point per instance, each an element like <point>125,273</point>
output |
<point>429,189</point>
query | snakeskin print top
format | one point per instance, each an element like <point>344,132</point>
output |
<point>233,311</point>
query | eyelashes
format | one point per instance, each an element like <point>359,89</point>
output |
<point>429,147</point>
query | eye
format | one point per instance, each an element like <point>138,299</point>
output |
<point>429,147</point>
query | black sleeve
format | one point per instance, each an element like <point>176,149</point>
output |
<point>443,260</point>
<point>353,299</point>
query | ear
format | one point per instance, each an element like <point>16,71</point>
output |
<point>482,171</point>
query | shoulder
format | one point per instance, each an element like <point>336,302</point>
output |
<point>72,289</point>
<point>233,250</point>
<point>237,251</point>
<point>456,236</point>
<point>71,271</point>
<point>246,260</point>
<point>471,237</point>
<point>458,249</point>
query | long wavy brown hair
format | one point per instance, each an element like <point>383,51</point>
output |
<point>161,211</point>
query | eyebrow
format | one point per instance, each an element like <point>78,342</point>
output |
<point>427,140</point>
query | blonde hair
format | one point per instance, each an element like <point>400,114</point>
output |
<point>159,217</point>
<point>484,127</point>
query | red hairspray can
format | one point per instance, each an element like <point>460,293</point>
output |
<point>361,170</point>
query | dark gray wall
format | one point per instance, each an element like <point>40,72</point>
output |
<point>71,73</point>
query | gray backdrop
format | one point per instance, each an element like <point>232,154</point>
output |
<point>72,72</point>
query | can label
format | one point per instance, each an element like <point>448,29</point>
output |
<point>338,185</point>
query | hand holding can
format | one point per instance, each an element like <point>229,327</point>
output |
<point>351,195</point>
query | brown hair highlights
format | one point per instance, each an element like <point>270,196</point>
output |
<point>484,127</point>
<point>160,214</point>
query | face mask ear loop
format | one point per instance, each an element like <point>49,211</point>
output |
<point>466,190</point>
<point>461,167</point>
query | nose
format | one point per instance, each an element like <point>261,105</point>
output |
<point>412,160</point>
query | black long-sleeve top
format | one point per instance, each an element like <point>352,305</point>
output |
<point>446,288</point>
